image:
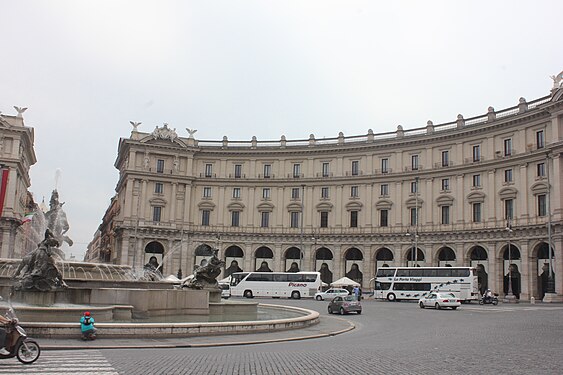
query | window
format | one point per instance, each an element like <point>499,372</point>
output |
<point>296,170</point>
<point>414,162</point>
<point>324,192</point>
<point>235,218</point>
<point>207,192</point>
<point>156,213</point>
<point>445,184</point>
<point>384,190</point>
<point>355,168</point>
<point>508,175</point>
<point>353,219</point>
<point>267,170</point>
<point>265,219</point>
<point>540,140</point>
<point>476,212</point>
<point>236,192</point>
<point>476,180</point>
<point>414,187</point>
<point>414,213</point>
<point>208,170</point>
<point>385,165</point>
<point>383,218</point>
<point>266,193</point>
<point>541,169</point>
<point>445,158</point>
<point>508,209</point>
<point>205,217</point>
<point>238,170</point>
<point>326,169</point>
<point>160,166</point>
<point>294,219</point>
<point>508,147</point>
<point>295,193</point>
<point>542,205</point>
<point>354,191</point>
<point>445,214</point>
<point>324,219</point>
<point>158,188</point>
<point>476,153</point>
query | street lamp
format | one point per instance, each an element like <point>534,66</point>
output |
<point>551,279</point>
<point>509,295</point>
<point>302,218</point>
<point>413,237</point>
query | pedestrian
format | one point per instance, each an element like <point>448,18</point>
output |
<point>87,327</point>
<point>356,292</point>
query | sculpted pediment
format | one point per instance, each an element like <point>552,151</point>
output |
<point>476,197</point>
<point>507,193</point>
<point>206,205</point>
<point>383,204</point>
<point>445,200</point>
<point>539,187</point>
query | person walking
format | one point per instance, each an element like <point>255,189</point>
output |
<point>356,292</point>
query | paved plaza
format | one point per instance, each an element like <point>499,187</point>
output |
<point>388,338</point>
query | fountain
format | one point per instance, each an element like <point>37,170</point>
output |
<point>50,294</point>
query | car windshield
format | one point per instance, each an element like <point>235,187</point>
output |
<point>447,295</point>
<point>349,298</point>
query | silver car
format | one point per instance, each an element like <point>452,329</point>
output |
<point>439,300</point>
<point>330,294</point>
<point>345,305</point>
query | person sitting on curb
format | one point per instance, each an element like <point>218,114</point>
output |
<point>87,326</point>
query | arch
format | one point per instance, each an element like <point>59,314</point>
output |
<point>154,247</point>
<point>542,252</point>
<point>324,254</point>
<point>234,251</point>
<point>478,253</point>
<point>203,250</point>
<point>324,263</point>
<point>384,254</point>
<point>514,252</point>
<point>353,254</point>
<point>264,252</point>
<point>154,254</point>
<point>419,255</point>
<point>292,253</point>
<point>446,254</point>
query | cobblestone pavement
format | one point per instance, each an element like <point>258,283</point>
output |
<point>390,338</point>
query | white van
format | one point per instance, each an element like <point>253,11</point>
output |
<point>225,290</point>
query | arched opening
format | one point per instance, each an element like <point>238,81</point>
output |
<point>479,260</point>
<point>154,252</point>
<point>353,263</point>
<point>263,259</point>
<point>293,259</point>
<point>234,258</point>
<point>540,275</point>
<point>512,280</point>
<point>411,262</point>
<point>201,253</point>
<point>383,258</point>
<point>446,257</point>
<point>324,263</point>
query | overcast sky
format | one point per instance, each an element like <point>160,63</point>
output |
<point>254,68</point>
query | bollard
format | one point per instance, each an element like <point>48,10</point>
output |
<point>532,300</point>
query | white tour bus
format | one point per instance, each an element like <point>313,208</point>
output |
<point>275,284</point>
<point>397,283</point>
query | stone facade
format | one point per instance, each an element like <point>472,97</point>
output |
<point>451,190</point>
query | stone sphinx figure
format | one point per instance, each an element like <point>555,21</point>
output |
<point>205,276</point>
<point>38,270</point>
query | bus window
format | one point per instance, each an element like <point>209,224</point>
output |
<point>461,272</point>
<point>261,277</point>
<point>310,277</point>
<point>403,272</point>
<point>237,277</point>
<point>385,272</point>
<point>416,272</point>
<point>382,286</point>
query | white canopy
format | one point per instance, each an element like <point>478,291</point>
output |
<point>344,282</point>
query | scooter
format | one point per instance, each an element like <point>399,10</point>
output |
<point>493,300</point>
<point>17,343</point>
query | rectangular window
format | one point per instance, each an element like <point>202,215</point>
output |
<point>508,209</point>
<point>355,168</point>
<point>414,162</point>
<point>476,180</point>
<point>445,158</point>
<point>476,212</point>
<point>208,170</point>
<point>238,171</point>
<point>385,165</point>
<point>324,219</point>
<point>235,218</point>
<point>383,218</point>
<point>266,193</point>
<point>384,190</point>
<point>445,184</point>
<point>354,191</point>
<point>265,219</point>
<point>295,193</point>
<point>414,213</point>
<point>236,192</point>
<point>476,153</point>
<point>267,170</point>
<point>508,175</point>
<point>324,192</point>
<point>158,188</point>
<point>540,140</point>
<point>542,205</point>
<point>207,192</point>
<point>294,219</point>
<point>541,169</point>
<point>326,169</point>
<point>296,170</point>
<point>156,212</point>
<point>160,166</point>
<point>414,187</point>
<point>205,214</point>
<point>508,147</point>
<point>445,214</point>
<point>353,219</point>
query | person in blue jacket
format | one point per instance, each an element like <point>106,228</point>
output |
<point>87,327</point>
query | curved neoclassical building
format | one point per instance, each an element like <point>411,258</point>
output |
<point>461,193</point>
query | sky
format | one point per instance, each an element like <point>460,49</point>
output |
<point>84,69</point>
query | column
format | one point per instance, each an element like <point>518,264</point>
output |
<point>525,272</point>
<point>173,203</point>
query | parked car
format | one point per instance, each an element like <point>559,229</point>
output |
<point>330,294</point>
<point>344,305</point>
<point>225,290</point>
<point>439,300</point>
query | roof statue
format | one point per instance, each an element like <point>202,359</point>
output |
<point>191,132</point>
<point>164,133</point>
<point>135,125</point>
<point>557,81</point>
<point>20,110</point>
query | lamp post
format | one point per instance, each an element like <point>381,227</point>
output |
<point>551,278</point>
<point>416,223</point>
<point>301,250</point>
<point>509,295</point>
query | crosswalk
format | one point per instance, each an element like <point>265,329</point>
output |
<point>508,308</point>
<point>61,362</point>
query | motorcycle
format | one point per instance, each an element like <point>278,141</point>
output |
<point>17,343</point>
<point>492,300</point>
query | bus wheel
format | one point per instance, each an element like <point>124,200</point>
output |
<point>248,294</point>
<point>391,297</point>
<point>295,295</point>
